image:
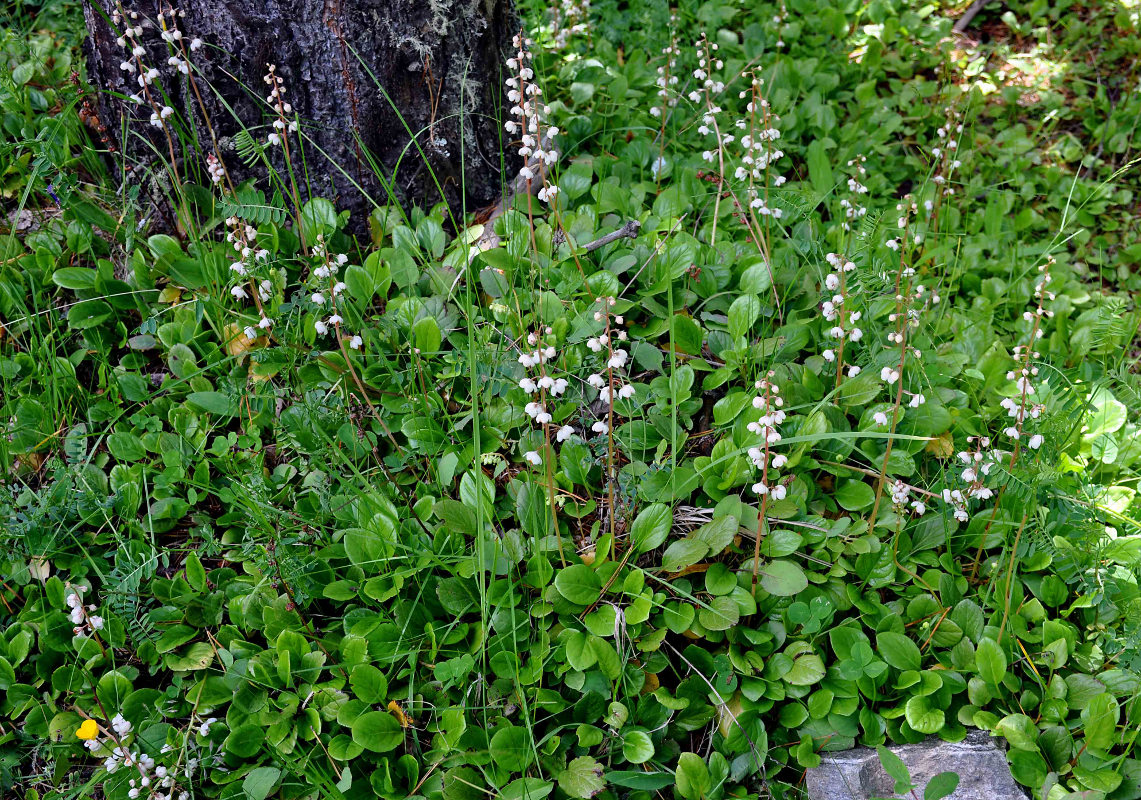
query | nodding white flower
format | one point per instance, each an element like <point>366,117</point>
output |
<point>265,323</point>
<point>889,375</point>
<point>1035,441</point>
<point>853,371</point>
<point>320,327</point>
<point>121,725</point>
<point>273,139</point>
<point>195,44</point>
<point>779,492</point>
<point>239,292</point>
<point>528,386</point>
<point>251,332</point>
<point>829,355</point>
<point>596,380</point>
<point>565,432</point>
<point>356,342</point>
<point>760,488</point>
<point>318,298</point>
<point>335,319</point>
<point>626,392</point>
<point>543,417</point>
<point>600,427</point>
<point>559,386</point>
<point>778,461</point>
<point>618,359</point>
<point>916,400</point>
<point>880,418</point>
<point>533,457</point>
<point>338,287</point>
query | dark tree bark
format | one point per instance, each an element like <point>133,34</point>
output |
<point>437,60</point>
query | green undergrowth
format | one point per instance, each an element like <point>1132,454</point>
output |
<point>270,554</point>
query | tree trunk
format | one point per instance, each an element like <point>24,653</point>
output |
<point>439,62</point>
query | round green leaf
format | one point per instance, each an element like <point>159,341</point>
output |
<point>579,584</point>
<point>377,731</point>
<point>783,578</point>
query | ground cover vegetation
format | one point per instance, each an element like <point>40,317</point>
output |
<point>833,442</point>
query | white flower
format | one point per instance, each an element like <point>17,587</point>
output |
<point>356,342</point>
<point>533,457</point>
<point>527,385</point>
<point>335,319</point>
<point>600,427</point>
<point>853,371</point>
<point>829,355</point>
<point>565,432</point>
<point>239,292</point>
<point>618,360</point>
<point>251,332</point>
<point>320,327</point>
<point>626,392</point>
<point>121,725</point>
<point>779,491</point>
<point>596,380</point>
<point>889,375</point>
<point>318,298</point>
<point>880,418</point>
<point>265,323</point>
<point>1035,441</point>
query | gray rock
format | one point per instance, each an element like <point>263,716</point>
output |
<point>858,775</point>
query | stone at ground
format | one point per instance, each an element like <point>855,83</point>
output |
<point>858,775</point>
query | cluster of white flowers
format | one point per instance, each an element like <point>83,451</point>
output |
<point>759,151</point>
<point>610,386</point>
<point>1024,406</point>
<point>666,81</point>
<point>168,20</point>
<point>83,617</point>
<point>901,499</point>
<point>837,311</point>
<point>246,269</point>
<point>945,153</point>
<point>145,75</point>
<point>215,169</point>
<point>276,100</point>
<point>529,115</point>
<point>854,210</point>
<point>978,463</point>
<point>767,427</point>
<point>542,387</point>
<point>326,288</point>
<point>572,17</point>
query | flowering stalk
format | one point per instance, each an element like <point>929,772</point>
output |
<point>1024,407</point>
<point>837,311</point>
<point>772,416</point>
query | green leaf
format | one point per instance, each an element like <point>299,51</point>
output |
<point>211,402</point>
<point>368,684</point>
<point>687,335</point>
<point>783,578</point>
<point>377,731</point>
<point>527,789</point>
<point>893,765</point>
<point>74,278</point>
<point>990,659</point>
<point>579,584</point>
<point>1100,718</point>
<point>922,715</point>
<point>511,748</point>
<point>898,651</point>
<point>637,747</point>
<point>651,527</point>
<point>245,740</point>
<point>855,495</point>
<point>941,786</point>
<point>683,553</point>
<point>259,782</point>
<point>693,778</point>
<point>582,778</point>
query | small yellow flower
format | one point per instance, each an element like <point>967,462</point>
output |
<point>88,730</point>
